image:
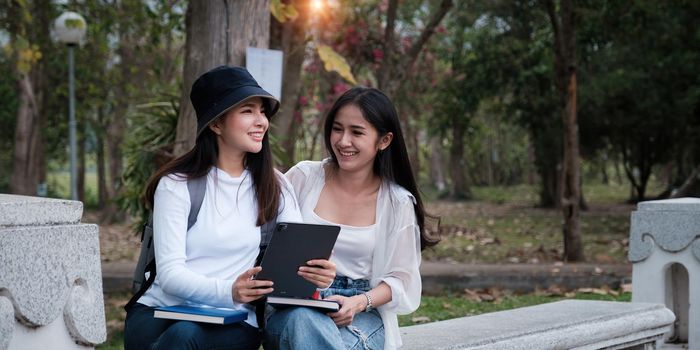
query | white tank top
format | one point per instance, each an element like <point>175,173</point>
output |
<point>353,250</point>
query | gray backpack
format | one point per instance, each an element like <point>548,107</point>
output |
<point>147,260</point>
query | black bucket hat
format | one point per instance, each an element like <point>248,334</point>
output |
<point>223,88</point>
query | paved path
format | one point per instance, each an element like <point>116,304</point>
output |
<point>438,277</point>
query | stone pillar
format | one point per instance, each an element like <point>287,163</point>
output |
<point>665,252</point>
<point>50,276</point>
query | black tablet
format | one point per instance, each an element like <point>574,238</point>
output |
<point>291,246</point>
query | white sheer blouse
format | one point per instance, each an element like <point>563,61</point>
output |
<point>396,257</point>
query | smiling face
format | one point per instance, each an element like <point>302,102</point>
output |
<point>355,142</point>
<point>242,128</point>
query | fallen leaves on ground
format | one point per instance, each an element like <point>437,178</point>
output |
<point>117,241</point>
<point>604,290</point>
<point>421,319</point>
<point>490,295</point>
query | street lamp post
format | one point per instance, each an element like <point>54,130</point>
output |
<point>70,29</point>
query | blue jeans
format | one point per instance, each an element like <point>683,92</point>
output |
<point>307,328</point>
<point>143,331</point>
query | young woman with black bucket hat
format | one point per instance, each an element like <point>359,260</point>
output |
<point>211,264</point>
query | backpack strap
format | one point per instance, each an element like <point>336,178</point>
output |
<point>147,258</point>
<point>266,231</point>
<point>196,188</point>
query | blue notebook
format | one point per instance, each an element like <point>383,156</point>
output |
<point>200,314</point>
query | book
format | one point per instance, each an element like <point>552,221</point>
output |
<point>291,246</point>
<point>323,305</point>
<point>200,314</point>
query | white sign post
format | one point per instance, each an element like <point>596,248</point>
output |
<point>266,67</point>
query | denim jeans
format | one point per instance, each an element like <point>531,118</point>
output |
<point>143,331</point>
<point>307,328</point>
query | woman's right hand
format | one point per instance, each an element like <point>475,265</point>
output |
<point>246,289</point>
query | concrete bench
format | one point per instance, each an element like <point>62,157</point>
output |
<point>568,324</point>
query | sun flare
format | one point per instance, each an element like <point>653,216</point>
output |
<point>317,5</point>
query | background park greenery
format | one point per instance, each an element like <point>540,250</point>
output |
<point>479,102</point>
<point>477,85</point>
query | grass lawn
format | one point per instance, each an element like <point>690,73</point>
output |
<point>438,308</point>
<point>504,225</point>
<point>478,232</point>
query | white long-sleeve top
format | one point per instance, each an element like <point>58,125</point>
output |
<point>199,266</point>
<point>396,257</point>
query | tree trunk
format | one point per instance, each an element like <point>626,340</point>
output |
<point>605,178</point>
<point>547,152</point>
<point>616,166</point>
<point>102,194</point>
<point>411,139</point>
<point>218,32</point>
<point>290,37</point>
<point>531,172</point>
<point>28,168</point>
<point>114,140</point>
<point>563,26</point>
<point>690,187</point>
<point>583,205</point>
<point>384,75</point>
<point>638,174</point>
<point>437,175</point>
<point>458,168</point>
<point>549,190</point>
<point>117,126</point>
<point>25,170</point>
<point>414,134</point>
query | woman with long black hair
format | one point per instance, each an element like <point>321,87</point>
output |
<point>368,189</point>
<point>211,263</point>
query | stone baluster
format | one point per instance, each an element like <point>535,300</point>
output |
<point>665,253</point>
<point>50,276</point>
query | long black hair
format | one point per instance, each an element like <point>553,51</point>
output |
<point>199,160</point>
<point>392,163</point>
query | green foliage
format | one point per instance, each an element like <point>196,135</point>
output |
<point>148,144</point>
<point>58,184</point>
<point>279,154</point>
<point>283,12</point>
<point>74,23</point>
<point>334,62</point>
<point>639,82</point>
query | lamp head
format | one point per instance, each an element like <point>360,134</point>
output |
<point>70,28</point>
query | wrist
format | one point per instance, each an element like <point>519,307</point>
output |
<point>361,303</point>
<point>369,302</point>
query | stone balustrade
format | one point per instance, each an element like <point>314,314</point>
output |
<point>568,324</point>
<point>665,256</point>
<point>50,276</point>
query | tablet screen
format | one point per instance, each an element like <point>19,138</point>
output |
<point>291,246</point>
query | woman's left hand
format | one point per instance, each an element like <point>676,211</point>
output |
<point>349,306</point>
<point>320,272</point>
